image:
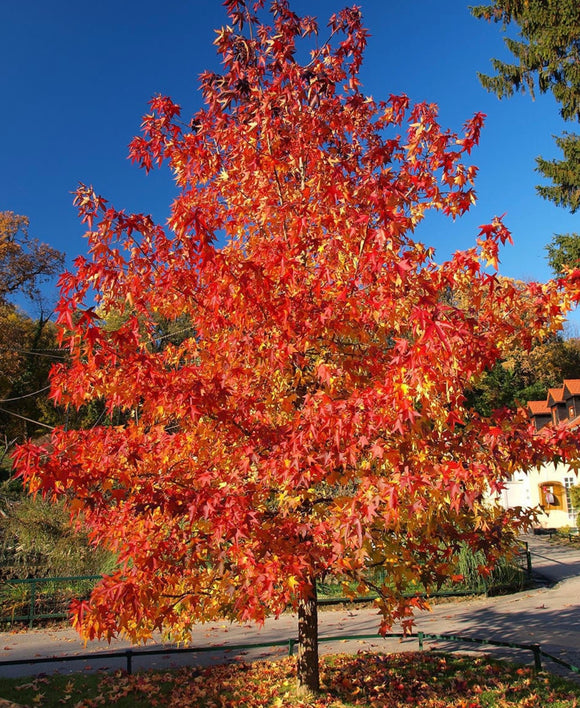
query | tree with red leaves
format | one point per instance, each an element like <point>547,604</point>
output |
<point>311,418</point>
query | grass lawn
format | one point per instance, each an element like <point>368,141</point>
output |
<point>428,680</point>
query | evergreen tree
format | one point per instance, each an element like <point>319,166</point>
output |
<point>547,58</point>
<point>564,250</point>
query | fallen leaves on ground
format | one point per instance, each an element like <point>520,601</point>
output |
<point>371,680</point>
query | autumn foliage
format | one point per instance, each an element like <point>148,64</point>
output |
<point>311,416</point>
<point>373,680</point>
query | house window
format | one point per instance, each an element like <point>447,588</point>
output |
<point>571,412</point>
<point>572,512</point>
<point>552,496</point>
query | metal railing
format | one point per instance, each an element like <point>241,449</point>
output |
<point>521,562</point>
<point>130,654</point>
<point>28,600</point>
<point>31,600</point>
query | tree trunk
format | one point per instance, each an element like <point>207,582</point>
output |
<point>308,676</point>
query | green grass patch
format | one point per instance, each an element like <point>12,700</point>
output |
<point>429,680</point>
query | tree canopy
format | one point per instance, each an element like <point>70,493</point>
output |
<point>25,264</point>
<point>311,417</point>
<point>24,261</point>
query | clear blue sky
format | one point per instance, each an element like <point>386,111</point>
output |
<point>76,78</point>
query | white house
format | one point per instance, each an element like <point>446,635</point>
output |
<point>549,487</point>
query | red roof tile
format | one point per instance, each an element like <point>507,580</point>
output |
<point>555,395</point>
<point>539,408</point>
<point>571,387</point>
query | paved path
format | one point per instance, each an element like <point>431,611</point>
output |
<point>549,616</point>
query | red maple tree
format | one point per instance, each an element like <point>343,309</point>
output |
<point>289,365</point>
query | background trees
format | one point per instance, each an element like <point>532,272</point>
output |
<point>36,537</point>
<point>547,57</point>
<point>25,262</point>
<point>527,375</point>
<point>563,252</point>
<point>27,343</point>
<point>312,418</point>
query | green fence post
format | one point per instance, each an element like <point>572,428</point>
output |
<point>129,655</point>
<point>420,637</point>
<point>537,656</point>
<point>32,603</point>
<point>291,643</point>
<point>529,562</point>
